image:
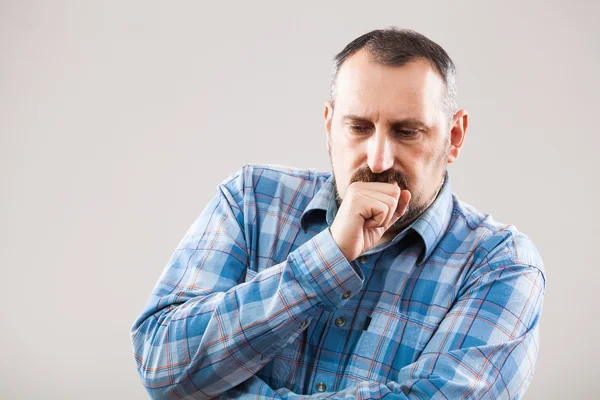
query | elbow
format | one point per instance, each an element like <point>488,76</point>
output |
<point>163,364</point>
<point>159,364</point>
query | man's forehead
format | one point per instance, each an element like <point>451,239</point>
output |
<point>365,87</point>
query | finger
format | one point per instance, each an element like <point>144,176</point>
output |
<point>371,210</point>
<point>391,189</point>
<point>401,208</point>
<point>389,201</point>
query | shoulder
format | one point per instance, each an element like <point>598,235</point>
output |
<point>494,245</point>
<point>268,177</point>
<point>273,187</point>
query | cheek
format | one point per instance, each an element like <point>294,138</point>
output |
<point>345,159</point>
<point>429,156</point>
<point>344,152</point>
<point>420,163</point>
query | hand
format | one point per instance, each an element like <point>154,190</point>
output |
<point>368,210</point>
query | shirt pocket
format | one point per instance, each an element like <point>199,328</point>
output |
<point>391,341</point>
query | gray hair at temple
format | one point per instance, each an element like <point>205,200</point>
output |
<point>395,47</point>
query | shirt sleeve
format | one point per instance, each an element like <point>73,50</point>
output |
<point>204,330</point>
<point>487,344</point>
<point>485,347</point>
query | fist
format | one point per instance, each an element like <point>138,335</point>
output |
<point>368,210</point>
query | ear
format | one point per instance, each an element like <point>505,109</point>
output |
<point>460,123</point>
<point>328,116</point>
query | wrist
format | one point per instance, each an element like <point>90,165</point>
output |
<point>346,254</point>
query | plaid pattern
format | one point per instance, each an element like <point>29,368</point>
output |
<point>258,302</point>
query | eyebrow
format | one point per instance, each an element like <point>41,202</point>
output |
<point>413,123</point>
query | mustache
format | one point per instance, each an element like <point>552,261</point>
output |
<point>390,176</point>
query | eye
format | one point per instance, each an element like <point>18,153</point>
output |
<point>359,129</point>
<point>407,133</point>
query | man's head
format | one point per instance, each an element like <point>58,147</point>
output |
<point>393,116</point>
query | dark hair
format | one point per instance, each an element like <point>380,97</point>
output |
<point>395,47</point>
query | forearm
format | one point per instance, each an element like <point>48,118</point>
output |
<point>489,360</point>
<point>213,341</point>
<point>256,389</point>
<point>465,373</point>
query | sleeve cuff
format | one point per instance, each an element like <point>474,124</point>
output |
<point>320,264</point>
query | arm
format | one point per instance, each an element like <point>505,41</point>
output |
<point>485,347</point>
<point>202,332</point>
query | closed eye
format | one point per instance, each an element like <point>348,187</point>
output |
<point>407,133</point>
<point>358,128</point>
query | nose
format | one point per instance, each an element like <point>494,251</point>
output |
<point>380,153</point>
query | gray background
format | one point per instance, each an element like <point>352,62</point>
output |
<point>119,118</point>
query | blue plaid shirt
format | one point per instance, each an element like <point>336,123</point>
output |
<point>258,302</point>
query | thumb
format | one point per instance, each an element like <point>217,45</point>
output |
<point>401,207</point>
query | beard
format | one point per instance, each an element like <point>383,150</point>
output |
<point>416,206</point>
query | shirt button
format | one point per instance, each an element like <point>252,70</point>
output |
<point>340,321</point>
<point>363,259</point>
<point>303,324</point>
<point>346,295</point>
<point>321,387</point>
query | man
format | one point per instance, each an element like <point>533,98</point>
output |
<point>372,281</point>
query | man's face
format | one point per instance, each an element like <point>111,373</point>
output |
<point>389,125</point>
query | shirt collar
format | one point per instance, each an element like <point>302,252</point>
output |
<point>430,225</point>
<point>321,202</point>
